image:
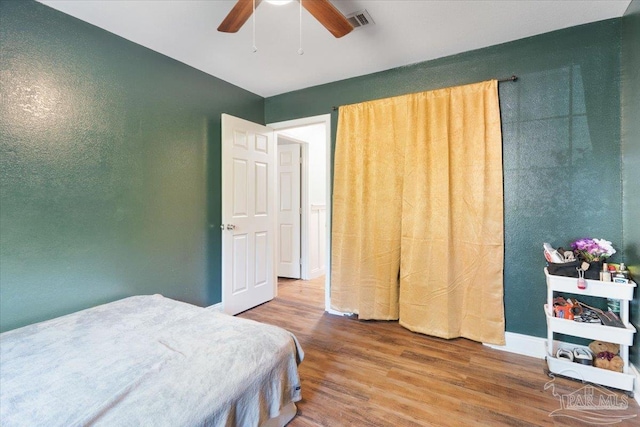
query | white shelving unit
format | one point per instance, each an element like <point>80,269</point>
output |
<point>622,336</point>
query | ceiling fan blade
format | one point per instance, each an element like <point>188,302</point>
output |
<point>238,16</point>
<point>328,16</point>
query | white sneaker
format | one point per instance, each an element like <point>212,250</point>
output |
<point>563,353</point>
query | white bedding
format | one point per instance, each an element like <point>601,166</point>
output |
<point>147,361</point>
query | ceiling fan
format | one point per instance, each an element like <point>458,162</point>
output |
<point>322,10</point>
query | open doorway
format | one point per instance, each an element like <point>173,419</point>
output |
<point>312,134</point>
<point>289,187</point>
<point>301,188</point>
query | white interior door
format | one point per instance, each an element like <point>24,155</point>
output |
<point>248,214</point>
<point>289,210</point>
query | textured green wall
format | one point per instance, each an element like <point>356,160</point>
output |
<point>109,168</point>
<point>561,136</point>
<point>630,101</point>
<point>109,158</point>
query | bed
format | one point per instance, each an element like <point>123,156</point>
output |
<point>148,360</point>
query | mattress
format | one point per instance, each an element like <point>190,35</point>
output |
<point>147,360</point>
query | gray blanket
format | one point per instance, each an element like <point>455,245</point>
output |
<point>147,361</point>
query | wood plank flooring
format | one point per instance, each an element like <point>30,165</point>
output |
<point>371,373</point>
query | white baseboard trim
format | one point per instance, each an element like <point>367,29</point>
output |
<point>525,345</point>
<point>636,383</point>
<point>216,307</point>
<point>316,272</point>
<point>528,345</point>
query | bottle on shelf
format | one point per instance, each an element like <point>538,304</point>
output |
<point>622,271</point>
<point>614,306</point>
<point>605,274</point>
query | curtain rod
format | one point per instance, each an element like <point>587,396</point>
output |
<point>508,79</point>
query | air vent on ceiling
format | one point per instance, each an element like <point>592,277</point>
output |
<point>360,18</point>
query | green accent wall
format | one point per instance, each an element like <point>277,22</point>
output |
<point>110,157</point>
<point>109,168</point>
<point>630,102</point>
<point>561,138</point>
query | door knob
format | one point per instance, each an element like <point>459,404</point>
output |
<point>231,227</point>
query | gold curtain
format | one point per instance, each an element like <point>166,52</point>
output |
<point>419,178</point>
<point>365,238</point>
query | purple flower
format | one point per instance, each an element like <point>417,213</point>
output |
<point>593,249</point>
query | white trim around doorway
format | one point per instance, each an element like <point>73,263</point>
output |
<point>295,123</point>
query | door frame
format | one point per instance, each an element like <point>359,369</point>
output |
<point>295,123</point>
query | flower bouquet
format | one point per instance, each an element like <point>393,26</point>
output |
<point>592,250</point>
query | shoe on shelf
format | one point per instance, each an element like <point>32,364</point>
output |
<point>582,356</point>
<point>564,353</point>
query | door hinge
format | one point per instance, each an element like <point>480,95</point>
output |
<point>300,160</point>
<point>300,261</point>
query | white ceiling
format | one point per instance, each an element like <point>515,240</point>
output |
<point>405,32</point>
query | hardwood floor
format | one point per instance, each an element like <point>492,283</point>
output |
<point>370,373</point>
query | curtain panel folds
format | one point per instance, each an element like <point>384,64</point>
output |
<point>418,212</point>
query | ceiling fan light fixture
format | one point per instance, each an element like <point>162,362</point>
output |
<point>278,2</point>
<point>322,10</point>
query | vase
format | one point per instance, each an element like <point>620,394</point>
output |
<point>595,267</point>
